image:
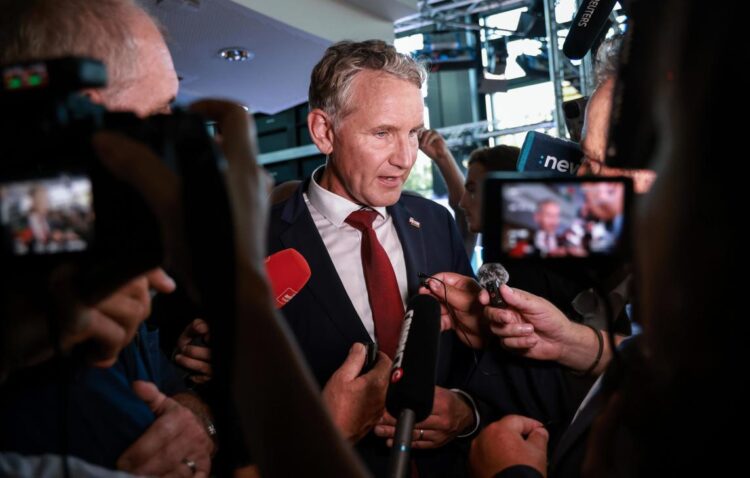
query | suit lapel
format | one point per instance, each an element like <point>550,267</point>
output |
<point>325,284</point>
<point>586,416</point>
<point>412,243</point>
<point>577,429</point>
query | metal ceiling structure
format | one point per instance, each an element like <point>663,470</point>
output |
<point>442,14</point>
<point>446,15</point>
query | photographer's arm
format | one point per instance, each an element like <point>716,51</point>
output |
<point>434,146</point>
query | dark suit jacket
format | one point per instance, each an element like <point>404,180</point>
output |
<point>326,324</point>
<point>567,458</point>
<point>508,384</point>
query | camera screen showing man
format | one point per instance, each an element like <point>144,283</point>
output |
<point>47,216</point>
<point>562,219</point>
<point>546,239</point>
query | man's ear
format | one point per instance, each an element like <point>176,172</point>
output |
<point>321,130</point>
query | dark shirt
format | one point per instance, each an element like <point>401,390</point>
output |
<point>88,412</point>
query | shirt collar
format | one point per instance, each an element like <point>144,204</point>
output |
<point>333,207</point>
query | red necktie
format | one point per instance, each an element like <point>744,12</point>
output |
<point>382,287</point>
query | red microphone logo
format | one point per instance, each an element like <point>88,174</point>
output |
<point>285,296</point>
<point>396,371</point>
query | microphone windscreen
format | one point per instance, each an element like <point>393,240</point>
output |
<point>587,25</point>
<point>414,370</point>
<point>288,272</point>
<point>492,273</point>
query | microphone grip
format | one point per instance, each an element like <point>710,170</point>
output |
<point>398,466</point>
<point>496,300</point>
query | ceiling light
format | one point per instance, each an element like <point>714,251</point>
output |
<point>236,54</point>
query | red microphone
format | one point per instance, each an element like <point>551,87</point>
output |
<point>288,272</point>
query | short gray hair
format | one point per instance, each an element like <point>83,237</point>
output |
<point>607,60</point>
<point>332,77</point>
<point>41,29</point>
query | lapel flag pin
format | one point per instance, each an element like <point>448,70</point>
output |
<point>414,223</point>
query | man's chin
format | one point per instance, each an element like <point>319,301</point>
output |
<point>384,200</point>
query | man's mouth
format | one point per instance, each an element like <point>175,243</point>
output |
<point>390,180</point>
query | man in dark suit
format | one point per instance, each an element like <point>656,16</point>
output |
<point>366,243</point>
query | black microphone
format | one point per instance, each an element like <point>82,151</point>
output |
<point>587,25</point>
<point>412,390</point>
<point>491,276</point>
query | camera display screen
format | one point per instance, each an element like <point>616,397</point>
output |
<point>47,216</point>
<point>562,219</point>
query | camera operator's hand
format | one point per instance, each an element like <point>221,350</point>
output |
<point>111,324</point>
<point>195,357</point>
<point>177,437</point>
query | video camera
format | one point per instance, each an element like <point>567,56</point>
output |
<point>541,217</point>
<point>59,204</point>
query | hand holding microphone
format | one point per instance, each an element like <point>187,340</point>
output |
<point>529,324</point>
<point>194,352</point>
<point>440,414</point>
<point>460,309</point>
<point>287,271</point>
<point>355,400</point>
<point>459,297</point>
<point>411,393</point>
<point>450,417</point>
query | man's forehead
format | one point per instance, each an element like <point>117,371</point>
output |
<point>368,84</point>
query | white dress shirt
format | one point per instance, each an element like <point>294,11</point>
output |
<point>329,211</point>
<point>545,242</point>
